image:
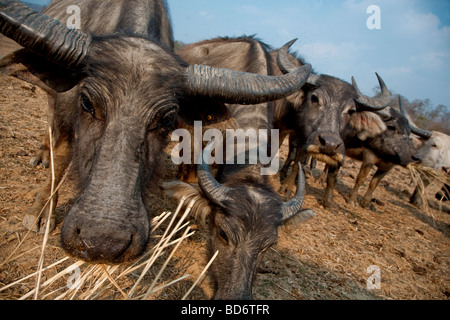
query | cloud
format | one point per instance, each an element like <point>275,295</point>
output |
<point>433,60</point>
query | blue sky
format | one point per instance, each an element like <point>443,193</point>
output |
<point>411,51</point>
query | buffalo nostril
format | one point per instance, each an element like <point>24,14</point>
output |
<point>105,249</point>
<point>97,246</point>
<point>329,144</point>
<point>322,141</point>
<point>417,158</point>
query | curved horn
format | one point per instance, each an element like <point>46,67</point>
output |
<point>373,104</point>
<point>215,192</point>
<point>420,132</point>
<point>42,34</point>
<point>243,87</point>
<point>294,206</point>
<point>287,66</point>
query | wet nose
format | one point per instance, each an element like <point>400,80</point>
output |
<point>329,144</point>
<point>102,243</point>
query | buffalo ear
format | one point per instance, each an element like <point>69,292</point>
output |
<point>178,190</point>
<point>300,217</point>
<point>367,124</point>
<point>27,66</point>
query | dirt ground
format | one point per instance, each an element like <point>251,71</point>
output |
<point>326,258</point>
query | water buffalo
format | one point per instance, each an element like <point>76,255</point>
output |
<point>435,153</point>
<point>243,210</point>
<point>118,96</point>
<point>319,115</point>
<point>391,146</point>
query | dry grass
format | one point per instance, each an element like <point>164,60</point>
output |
<point>420,173</point>
<point>83,281</point>
<point>325,258</point>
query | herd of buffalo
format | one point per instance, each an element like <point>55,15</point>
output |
<point>117,90</point>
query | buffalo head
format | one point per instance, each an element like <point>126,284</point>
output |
<point>325,106</point>
<point>244,213</point>
<point>117,99</point>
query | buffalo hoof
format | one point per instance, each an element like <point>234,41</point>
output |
<point>37,218</point>
<point>351,201</point>
<point>38,225</point>
<point>365,203</point>
<point>328,204</point>
<point>31,222</point>
<point>41,157</point>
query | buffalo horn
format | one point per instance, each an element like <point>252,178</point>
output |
<point>420,132</point>
<point>294,206</point>
<point>376,103</point>
<point>215,191</point>
<point>42,34</point>
<point>243,87</point>
<point>287,66</point>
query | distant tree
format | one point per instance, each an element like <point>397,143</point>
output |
<point>426,116</point>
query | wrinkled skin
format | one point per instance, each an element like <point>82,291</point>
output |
<point>105,126</point>
<point>122,20</point>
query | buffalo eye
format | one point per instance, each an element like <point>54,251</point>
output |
<point>351,111</point>
<point>223,235</point>
<point>168,120</point>
<point>86,105</point>
<point>164,122</point>
<point>314,98</point>
<point>392,128</point>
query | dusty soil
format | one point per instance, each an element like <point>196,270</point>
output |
<point>325,258</point>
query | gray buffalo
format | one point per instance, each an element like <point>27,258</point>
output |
<point>320,113</point>
<point>243,210</point>
<point>117,99</point>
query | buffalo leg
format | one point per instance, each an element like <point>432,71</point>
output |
<point>34,220</point>
<point>291,155</point>
<point>377,177</point>
<point>362,176</point>
<point>43,154</point>
<point>327,201</point>
<point>417,198</point>
<point>323,176</point>
<point>288,185</point>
